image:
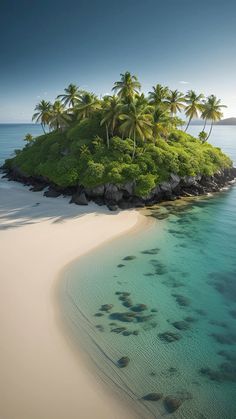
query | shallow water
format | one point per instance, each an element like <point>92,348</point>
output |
<point>184,271</point>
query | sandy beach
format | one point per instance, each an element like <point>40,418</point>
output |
<point>42,377</point>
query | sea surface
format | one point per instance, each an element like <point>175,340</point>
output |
<point>12,137</point>
<point>179,275</point>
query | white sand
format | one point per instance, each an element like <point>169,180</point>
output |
<point>41,376</point>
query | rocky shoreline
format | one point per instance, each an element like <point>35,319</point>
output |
<point>123,196</point>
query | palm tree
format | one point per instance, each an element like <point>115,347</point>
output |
<point>212,111</point>
<point>127,87</point>
<point>137,122</point>
<point>87,104</point>
<point>194,105</point>
<point>111,112</point>
<point>158,94</point>
<point>175,101</point>
<point>29,138</point>
<point>58,116</point>
<point>71,95</point>
<point>42,113</point>
<point>162,122</point>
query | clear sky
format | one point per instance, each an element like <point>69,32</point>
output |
<point>46,44</point>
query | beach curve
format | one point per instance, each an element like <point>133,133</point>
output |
<point>41,376</point>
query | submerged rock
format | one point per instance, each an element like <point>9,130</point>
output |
<point>127,333</point>
<point>100,327</point>
<point>118,329</point>
<point>190,319</point>
<point>227,339</point>
<point>181,300</point>
<point>106,307</point>
<point>127,303</point>
<point>169,336</point>
<point>151,251</point>
<point>139,307</point>
<point>172,404</point>
<point>123,362</point>
<point>153,397</point>
<point>98,314</point>
<point>129,257</point>
<point>123,317</point>
<point>121,265</point>
<point>181,325</point>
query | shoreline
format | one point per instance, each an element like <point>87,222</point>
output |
<point>41,376</point>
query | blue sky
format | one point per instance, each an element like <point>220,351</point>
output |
<point>45,45</point>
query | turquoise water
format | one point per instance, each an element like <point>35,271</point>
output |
<point>184,271</point>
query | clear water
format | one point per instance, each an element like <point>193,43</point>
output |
<point>190,276</point>
<point>12,136</point>
<point>193,264</point>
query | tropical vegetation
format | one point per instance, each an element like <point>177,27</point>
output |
<point>126,136</point>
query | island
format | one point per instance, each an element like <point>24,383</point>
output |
<point>124,150</point>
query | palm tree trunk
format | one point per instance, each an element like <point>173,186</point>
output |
<point>210,131</point>
<point>204,124</point>
<point>108,142</point>
<point>188,124</point>
<point>42,125</point>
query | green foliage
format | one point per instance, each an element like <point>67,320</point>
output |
<point>87,129</point>
<point>93,175</point>
<point>80,156</point>
<point>144,184</point>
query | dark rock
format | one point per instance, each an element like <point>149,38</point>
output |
<point>79,199</point>
<point>181,300</point>
<point>225,339</point>
<point>125,205</point>
<point>100,327</point>
<point>112,193</point>
<point>121,265</point>
<point>169,337</point>
<point>153,397</point>
<point>181,325</point>
<point>97,191</point>
<point>129,258</point>
<point>190,319</point>
<point>98,314</point>
<point>118,330</point>
<point>106,307</point>
<point>151,251</point>
<point>123,317</point>
<point>135,332</point>
<point>137,202</point>
<point>123,362</point>
<point>139,307</point>
<point>154,310</point>
<point>127,303</point>
<point>127,333</point>
<point>37,188</point>
<point>52,193</point>
<point>112,207</point>
<point>172,404</point>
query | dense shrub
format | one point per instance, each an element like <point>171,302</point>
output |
<point>81,156</point>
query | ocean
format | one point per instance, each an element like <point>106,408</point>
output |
<point>179,276</point>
